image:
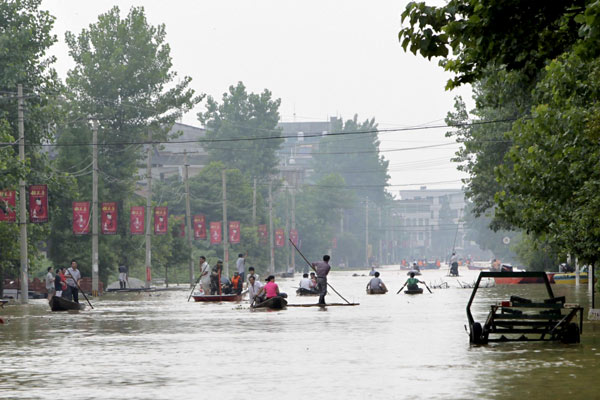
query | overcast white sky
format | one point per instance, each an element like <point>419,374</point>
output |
<point>322,58</point>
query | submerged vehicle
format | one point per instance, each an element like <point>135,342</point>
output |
<point>522,319</point>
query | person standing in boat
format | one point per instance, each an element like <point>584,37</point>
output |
<point>123,270</point>
<point>454,264</point>
<point>215,278</point>
<point>322,268</point>
<point>372,272</point>
<point>254,287</point>
<point>58,282</point>
<point>376,285</point>
<point>412,282</point>
<point>204,275</point>
<point>241,266</point>
<point>236,283</point>
<point>73,279</point>
<point>50,283</point>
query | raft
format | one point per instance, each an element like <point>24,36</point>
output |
<point>274,303</point>
<point>376,291</point>
<point>414,291</point>
<point>61,304</point>
<point>413,271</point>
<point>306,292</point>
<point>217,297</point>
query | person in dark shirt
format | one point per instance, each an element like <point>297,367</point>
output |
<point>322,268</point>
<point>123,270</point>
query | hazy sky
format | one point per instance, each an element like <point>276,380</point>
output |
<point>322,58</point>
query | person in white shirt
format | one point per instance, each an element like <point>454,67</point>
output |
<point>241,266</point>
<point>305,283</point>
<point>50,283</point>
<point>204,275</point>
<point>73,278</point>
<point>254,287</point>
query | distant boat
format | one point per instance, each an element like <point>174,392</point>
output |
<point>217,297</point>
<point>62,304</point>
<point>568,278</point>
<point>520,280</point>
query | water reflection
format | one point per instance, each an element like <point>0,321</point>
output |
<point>137,346</point>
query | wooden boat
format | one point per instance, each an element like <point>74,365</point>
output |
<point>376,291</point>
<point>274,303</point>
<point>62,304</point>
<point>417,273</point>
<point>568,278</point>
<point>306,292</point>
<point>517,280</point>
<point>217,297</point>
<point>414,291</point>
<point>324,305</point>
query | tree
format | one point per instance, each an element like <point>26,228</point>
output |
<point>236,128</point>
<point>122,77</point>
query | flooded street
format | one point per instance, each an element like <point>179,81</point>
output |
<point>157,345</point>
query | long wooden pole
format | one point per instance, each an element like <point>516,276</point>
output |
<point>95,277</point>
<point>188,218</point>
<point>22,205</point>
<point>310,265</point>
<point>148,212</point>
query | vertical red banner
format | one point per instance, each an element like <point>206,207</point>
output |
<point>38,203</point>
<point>234,231</point>
<point>81,217</point>
<point>215,233</point>
<point>294,236</point>
<point>137,220</point>
<point>199,227</point>
<point>161,220</point>
<point>262,234</point>
<point>8,212</point>
<point>279,237</point>
<point>182,229</point>
<point>108,218</point>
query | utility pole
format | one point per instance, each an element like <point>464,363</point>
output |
<point>367,232</point>
<point>288,246</point>
<point>271,244</point>
<point>95,207</point>
<point>225,230</point>
<point>22,200</point>
<point>188,216</point>
<point>148,212</point>
<point>294,219</point>
<point>380,241</point>
<point>254,203</point>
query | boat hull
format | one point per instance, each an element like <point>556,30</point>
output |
<point>274,303</point>
<point>519,280</point>
<point>217,297</point>
<point>306,292</point>
<point>376,291</point>
<point>60,304</point>
<point>414,291</point>
<point>569,278</point>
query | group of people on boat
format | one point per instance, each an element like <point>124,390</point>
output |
<point>307,285</point>
<point>64,283</point>
<point>376,285</point>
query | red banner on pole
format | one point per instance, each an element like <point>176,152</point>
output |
<point>234,231</point>
<point>108,218</point>
<point>81,217</point>
<point>182,229</point>
<point>38,203</point>
<point>294,236</point>
<point>279,237</point>
<point>215,233</point>
<point>262,234</point>
<point>8,211</point>
<point>161,220</point>
<point>199,227</point>
<point>137,220</point>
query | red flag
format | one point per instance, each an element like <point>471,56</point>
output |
<point>215,233</point>
<point>294,236</point>
<point>279,237</point>
<point>137,220</point>
<point>199,227</point>
<point>182,229</point>
<point>38,203</point>
<point>8,212</point>
<point>262,234</point>
<point>161,220</point>
<point>334,243</point>
<point>234,232</point>
<point>81,217</point>
<point>108,218</point>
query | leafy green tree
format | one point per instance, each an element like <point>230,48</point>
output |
<point>122,77</point>
<point>247,116</point>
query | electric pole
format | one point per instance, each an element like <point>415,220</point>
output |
<point>225,230</point>
<point>380,241</point>
<point>95,207</point>
<point>22,200</point>
<point>254,203</point>
<point>188,216</point>
<point>149,212</point>
<point>294,221</point>
<point>271,244</point>
<point>367,232</point>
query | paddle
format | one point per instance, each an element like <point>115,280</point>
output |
<point>82,292</point>
<point>310,265</point>
<point>427,288</point>
<point>197,280</point>
<point>401,289</point>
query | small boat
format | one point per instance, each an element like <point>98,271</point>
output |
<point>521,280</point>
<point>306,292</point>
<point>414,291</point>
<point>568,278</point>
<point>217,297</point>
<point>62,304</point>
<point>274,303</point>
<point>414,271</point>
<point>376,291</point>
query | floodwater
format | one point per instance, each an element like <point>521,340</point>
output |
<point>159,346</point>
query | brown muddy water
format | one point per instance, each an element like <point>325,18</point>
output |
<point>159,346</point>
